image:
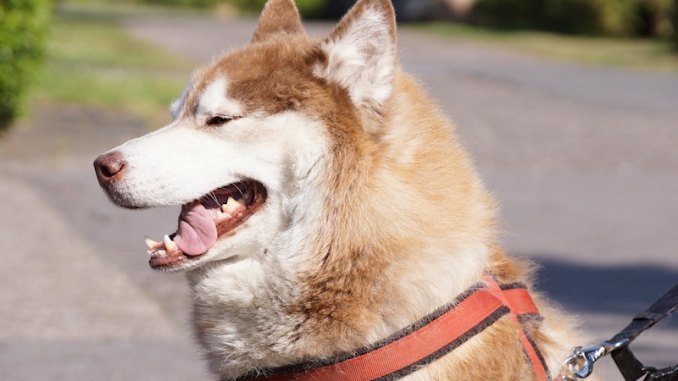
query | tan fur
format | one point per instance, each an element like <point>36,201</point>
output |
<point>279,16</point>
<point>404,209</point>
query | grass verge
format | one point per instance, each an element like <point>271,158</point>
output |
<point>640,54</point>
<point>92,60</point>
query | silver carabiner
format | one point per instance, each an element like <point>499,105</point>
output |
<point>580,364</point>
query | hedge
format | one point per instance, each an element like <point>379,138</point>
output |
<point>308,8</point>
<point>23,24</point>
<point>185,3</point>
<point>601,17</point>
<point>654,18</point>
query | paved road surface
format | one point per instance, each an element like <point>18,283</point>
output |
<point>584,161</point>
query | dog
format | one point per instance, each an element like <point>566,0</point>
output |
<point>327,206</point>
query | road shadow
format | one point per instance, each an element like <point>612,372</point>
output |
<point>624,290</point>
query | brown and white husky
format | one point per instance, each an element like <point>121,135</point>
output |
<point>326,205</point>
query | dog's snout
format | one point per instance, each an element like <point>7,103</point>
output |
<point>110,167</point>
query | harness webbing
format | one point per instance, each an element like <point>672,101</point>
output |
<point>427,340</point>
<point>529,346</point>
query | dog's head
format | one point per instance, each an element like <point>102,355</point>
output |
<point>254,132</point>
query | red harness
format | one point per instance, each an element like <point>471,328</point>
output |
<point>427,340</point>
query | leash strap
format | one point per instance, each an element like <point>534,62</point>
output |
<point>427,340</point>
<point>630,367</point>
<point>580,364</point>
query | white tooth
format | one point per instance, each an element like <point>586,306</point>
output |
<point>151,243</point>
<point>231,205</point>
<point>169,244</point>
<point>157,253</point>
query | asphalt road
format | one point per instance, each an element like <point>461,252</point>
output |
<point>584,161</point>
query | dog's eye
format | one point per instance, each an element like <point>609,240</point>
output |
<point>219,120</point>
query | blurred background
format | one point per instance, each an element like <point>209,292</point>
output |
<point>569,107</point>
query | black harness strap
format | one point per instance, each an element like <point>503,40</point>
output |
<point>630,367</point>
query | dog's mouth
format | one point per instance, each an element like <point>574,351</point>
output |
<point>202,223</point>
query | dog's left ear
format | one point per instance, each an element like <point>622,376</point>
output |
<point>360,54</point>
<point>278,16</point>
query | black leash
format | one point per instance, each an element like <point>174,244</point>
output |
<point>580,364</point>
<point>626,361</point>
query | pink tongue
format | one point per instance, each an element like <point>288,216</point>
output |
<point>197,231</point>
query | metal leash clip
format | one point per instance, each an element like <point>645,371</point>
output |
<point>580,364</point>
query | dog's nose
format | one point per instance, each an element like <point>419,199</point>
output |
<point>110,167</point>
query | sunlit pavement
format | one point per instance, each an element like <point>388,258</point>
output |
<point>584,161</point>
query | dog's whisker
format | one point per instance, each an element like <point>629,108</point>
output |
<point>239,190</point>
<point>214,197</point>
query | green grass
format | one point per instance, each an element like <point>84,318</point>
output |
<point>92,60</point>
<point>642,54</point>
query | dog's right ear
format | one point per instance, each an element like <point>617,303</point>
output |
<point>360,54</point>
<point>278,16</point>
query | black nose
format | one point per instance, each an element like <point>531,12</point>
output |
<point>110,168</point>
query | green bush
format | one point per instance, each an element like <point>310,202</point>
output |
<point>568,16</point>
<point>186,3</point>
<point>248,5</point>
<point>674,22</point>
<point>650,18</point>
<point>653,18</point>
<point>307,8</point>
<point>617,17</point>
<point>22,38</point>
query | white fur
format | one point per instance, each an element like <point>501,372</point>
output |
<point>362,59</point>
<point>214,101</point>
<point>178,104</point>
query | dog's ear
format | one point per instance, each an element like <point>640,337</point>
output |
<point>360,54</point>
<point>278,16</point>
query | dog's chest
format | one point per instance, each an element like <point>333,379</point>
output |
<point>240,320</point>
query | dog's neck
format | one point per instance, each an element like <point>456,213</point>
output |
<point>257,314</point>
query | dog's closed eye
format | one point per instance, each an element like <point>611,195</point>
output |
<point>219,120</point>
